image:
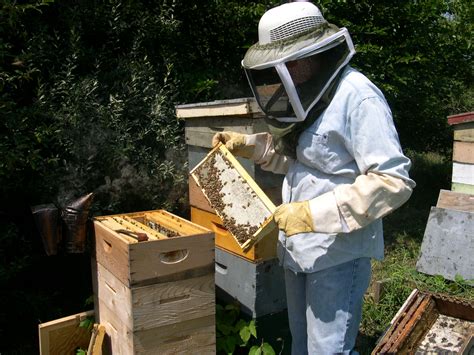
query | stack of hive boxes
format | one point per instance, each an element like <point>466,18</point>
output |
<point>252,277</point>
<point>448,242</point>
<point>463,152</point>
<point>154,288</point>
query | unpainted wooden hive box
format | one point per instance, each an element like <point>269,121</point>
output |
<point>155,296</point>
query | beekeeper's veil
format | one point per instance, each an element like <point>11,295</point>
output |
<point>297,57</point>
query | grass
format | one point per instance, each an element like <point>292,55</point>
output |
<point>404,231</point>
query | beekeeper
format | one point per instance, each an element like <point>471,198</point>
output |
<point>332,135</point>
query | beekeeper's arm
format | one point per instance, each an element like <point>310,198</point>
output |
<point>383,185</point>
<point>257,147</point>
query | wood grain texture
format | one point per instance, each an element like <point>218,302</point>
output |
<point>113,252</point>
<point>63,336</point>
<point>463,152</point>
<point>170,256</point>
<point>455,201</point>
<point>196,336</point>
<point>159,304</point>
<point>464,132</point>
<point>234,107</point>
<point>97,340</point>
<point>145,262</point>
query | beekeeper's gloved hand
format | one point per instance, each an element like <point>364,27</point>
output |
<point>235,142</point>
<point>293,218</point>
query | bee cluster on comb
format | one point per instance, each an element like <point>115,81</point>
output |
<point>236,198</point>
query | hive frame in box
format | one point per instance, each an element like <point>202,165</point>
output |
<point>159,258</point>
<point>242,196</point>
<point>418,325</point>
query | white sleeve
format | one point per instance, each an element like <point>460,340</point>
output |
<point>265,155</point>
<point>352,206</point>
<point>384,184</point>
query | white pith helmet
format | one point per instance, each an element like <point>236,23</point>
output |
<point>288,20</point>
<point>296,58</point>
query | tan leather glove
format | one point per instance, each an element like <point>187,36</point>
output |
<point>293,218</point>
<point>235,142</point>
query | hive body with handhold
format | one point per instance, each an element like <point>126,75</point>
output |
<point>154,284</point>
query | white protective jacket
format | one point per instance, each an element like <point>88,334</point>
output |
<point>351,168</point>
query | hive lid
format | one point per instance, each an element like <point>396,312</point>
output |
<point>246,212</point>
<point>247,107</point>
<point>461,118</point>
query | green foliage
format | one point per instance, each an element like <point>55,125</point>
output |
<point>263,349</point>
<point>98,115</point>
<point>234,334</point>
<point>87,323</point>
<point>419,54</point>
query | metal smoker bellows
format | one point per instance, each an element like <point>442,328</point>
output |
<point>246,212</point>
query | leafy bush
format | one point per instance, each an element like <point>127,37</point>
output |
<point>419,53</point>
<point>234,335</point>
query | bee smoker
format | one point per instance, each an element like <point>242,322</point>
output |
<point>46,218</point>
<point>74,224</point>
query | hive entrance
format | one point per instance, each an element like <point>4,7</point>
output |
<point>236,198</point>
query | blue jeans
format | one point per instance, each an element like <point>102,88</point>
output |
<point>325,307</point>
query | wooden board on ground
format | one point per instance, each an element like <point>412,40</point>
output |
<point>64,336</point>
<point>455,201</point>
<point>448,244</point>
<point>246,212</point>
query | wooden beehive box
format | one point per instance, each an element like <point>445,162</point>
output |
<point>463,152</point>
<point>430,324</point>
<point>154,296</point>
<point>162,318</point>
<point>246,212</point>
<point>175,246</point>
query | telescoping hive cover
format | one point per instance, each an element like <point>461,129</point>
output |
<point>245,210</point>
